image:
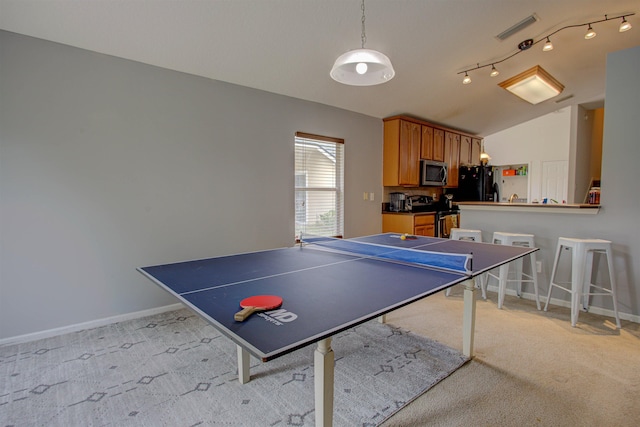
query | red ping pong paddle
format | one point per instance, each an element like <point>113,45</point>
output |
<point>257,303</point>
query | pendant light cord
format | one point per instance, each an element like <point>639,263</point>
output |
<point>364,36</point>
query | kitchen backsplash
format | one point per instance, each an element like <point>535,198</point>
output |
<point>435,192</point>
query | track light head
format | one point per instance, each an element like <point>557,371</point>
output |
<point>624,25</point>
<point>590,33</point>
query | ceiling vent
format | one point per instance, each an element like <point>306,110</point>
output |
<point>517,27</point>
<point>563,99</point>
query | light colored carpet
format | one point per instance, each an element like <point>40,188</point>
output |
<point>174,369</point>
<point>531,368</point>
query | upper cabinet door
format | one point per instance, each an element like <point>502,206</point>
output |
<point>438,145</point>
<point>426,152</point>
<point>401,158</point>
<point>452,157</point>
<point>476,149</point>
<point>410,142</point>
<point>470,150</point>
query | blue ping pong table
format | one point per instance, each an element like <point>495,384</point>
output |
<point>327,286</point>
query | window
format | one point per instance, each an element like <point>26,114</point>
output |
<point>319,185</point>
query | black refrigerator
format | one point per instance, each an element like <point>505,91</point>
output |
<point>476,183</point>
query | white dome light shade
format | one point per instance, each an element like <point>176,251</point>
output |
<point>349,67</point>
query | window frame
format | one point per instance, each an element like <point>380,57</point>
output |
<point>337,188</point>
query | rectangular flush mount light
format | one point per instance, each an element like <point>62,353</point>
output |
<point>534,85</point>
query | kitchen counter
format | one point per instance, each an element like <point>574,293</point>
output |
<point>408,213</point>
<point>566,208</point>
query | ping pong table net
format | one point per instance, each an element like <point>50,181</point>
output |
<point>452,262</point>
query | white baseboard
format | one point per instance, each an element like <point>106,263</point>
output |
<point>87,325</point>
<point>564,303</point>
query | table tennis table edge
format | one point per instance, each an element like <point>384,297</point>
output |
<point>266,357</point>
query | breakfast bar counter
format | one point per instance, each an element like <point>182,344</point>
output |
<point>561,208</point>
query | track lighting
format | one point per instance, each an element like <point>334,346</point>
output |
<point>590,33</point>
<point>624,25</point>
<point>526,44</point>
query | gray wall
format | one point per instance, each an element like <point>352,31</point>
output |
<point>108,164</point>
<point>618,217</point>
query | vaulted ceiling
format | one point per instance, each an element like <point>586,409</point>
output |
<point>289,46</point>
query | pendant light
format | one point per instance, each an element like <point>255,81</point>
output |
<point>362,67</point>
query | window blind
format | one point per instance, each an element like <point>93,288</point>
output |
<point>319,185</point>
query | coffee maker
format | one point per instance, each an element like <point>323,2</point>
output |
<point>397,202</point>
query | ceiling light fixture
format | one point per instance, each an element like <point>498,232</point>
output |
<point>526,44</point>
<point>494,72</point>
<point>533,85</point>
<point>624,25</point>
<point>590,33</point>
<point>362,67</point>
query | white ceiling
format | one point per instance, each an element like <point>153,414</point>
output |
<point>289,46</point>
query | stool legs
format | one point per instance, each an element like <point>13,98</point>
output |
<point>553,272</point>
<point>534,276</point>
<point>502,283</point>
<point>613,287</point>
<point>514,239</point>
<point>577,277</point>
<point>588,284</point>
<point>581,285</point>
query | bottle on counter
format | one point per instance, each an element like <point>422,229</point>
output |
<point>594,196</point>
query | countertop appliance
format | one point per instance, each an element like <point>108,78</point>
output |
<point>432,173</point>
<point>476,183</point>
<point>420,204</point>
<point>401,202</point>
<point>397,202</point>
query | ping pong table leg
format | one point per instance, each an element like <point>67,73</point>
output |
<point>469,317</point>
<point>323,364</point>
<point>243,365</point>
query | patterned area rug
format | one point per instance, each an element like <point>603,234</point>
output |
<point>174,369</point>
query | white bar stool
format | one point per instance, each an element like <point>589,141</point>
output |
<point>582,251</point>
<point>515,239</point>
<point>467,234</point>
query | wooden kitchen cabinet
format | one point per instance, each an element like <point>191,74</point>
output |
<point>407,140</point>
<point>426,150</point>
<point>417,224</point>
<point>424,225</point>
<point>438,145</point>
<point>470,150</point>
<point>476,149</point>
<point>401,161</point>
<point>452,157</point>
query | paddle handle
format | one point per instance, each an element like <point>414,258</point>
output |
<point>244,313</point>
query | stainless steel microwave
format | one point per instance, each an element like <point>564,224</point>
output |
<point>432,173</point>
